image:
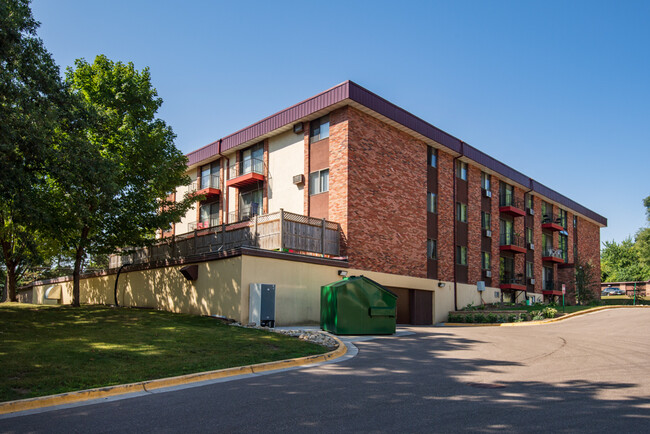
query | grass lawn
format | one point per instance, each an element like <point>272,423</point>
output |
<point>53,349</point>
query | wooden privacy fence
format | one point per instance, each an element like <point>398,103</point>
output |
<point>283,231</point>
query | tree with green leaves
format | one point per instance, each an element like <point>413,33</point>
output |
<point>621,262</point>
<point>121,166</point>
<point>643,238</point>
<point>32,102</point>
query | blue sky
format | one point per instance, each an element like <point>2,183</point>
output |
<point>558,90</point>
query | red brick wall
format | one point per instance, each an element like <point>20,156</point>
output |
<point>474,225</point>
<point>445,216</point>
<point>537,237</point>
<point>386,197</point>
<point>339,177</point>
<point>589,244</point>
<point>520,258</point>
<point>494,216</point>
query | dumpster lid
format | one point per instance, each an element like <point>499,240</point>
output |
<point>362,277</point>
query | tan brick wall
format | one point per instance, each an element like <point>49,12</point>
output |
<point>474,225</point>
<point>387,176</point>
<point>445,216</point>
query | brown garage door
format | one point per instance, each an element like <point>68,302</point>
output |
<point>413,306</point>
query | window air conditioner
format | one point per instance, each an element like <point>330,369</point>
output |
<point>487,273</point>
<point>298,179</point>
<point>488,233</point>
<point>531,281</point>
<point>487,193</point>
<point>531,211</point>
<point>531,246</point>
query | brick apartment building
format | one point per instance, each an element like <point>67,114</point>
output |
<point>411,200</point>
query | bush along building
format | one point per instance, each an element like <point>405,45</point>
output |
<point>346,182</point>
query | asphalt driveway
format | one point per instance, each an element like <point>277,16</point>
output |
<point>587,374</point>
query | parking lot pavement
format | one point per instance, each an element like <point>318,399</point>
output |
<point>586,374</point>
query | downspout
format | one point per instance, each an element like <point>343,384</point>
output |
<point>454,174</point>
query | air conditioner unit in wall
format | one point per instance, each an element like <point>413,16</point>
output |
<point>531,246</point>
<point>531,281</point>
<point>488,233</point>
<point>531,211</point>
<point>487,193</point>
<point>487,273</point>
<point>298,179</point>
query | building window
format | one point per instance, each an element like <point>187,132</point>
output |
<point>547,243</point>
<point>432,202</point>
<point>575,221</point>
<point>432,249</point>
<point>210,175</point>
<point>461,255</point>
<point>507,232</point>
<point>547,210</point>
<point>319,129</point>
<point>529,235</point>
<point>461,212</point>
<point>529,270</point>
<point>485,260</point>
<point>319,181</point>
<point>506,194</point>
<point>209,214</point>
<point>529,201</point>
<point>486,181</point>
<point>563,245</point>
<point>486,220</point>
<point>433,157</point>
<point>461,170</point>
<point>562,217</point>
<point>250,204</point>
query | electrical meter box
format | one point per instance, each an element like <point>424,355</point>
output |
<point>261,307</point>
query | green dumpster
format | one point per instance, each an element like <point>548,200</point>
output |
<point>357,306</point>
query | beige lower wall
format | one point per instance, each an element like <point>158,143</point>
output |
<point>222,288</point>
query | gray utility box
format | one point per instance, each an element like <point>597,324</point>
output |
<point>261,307</point>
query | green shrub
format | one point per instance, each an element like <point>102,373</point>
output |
<point>479,318</point>
<point>549,312</point>
<point>512,317</point>
<point>492,318</point>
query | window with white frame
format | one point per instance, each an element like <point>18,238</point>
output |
<point>319,181</point>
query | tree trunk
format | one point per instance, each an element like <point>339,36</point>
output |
<point>76,274</point>
<point>11,283</point>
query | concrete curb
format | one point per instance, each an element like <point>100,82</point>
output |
<point>546,321</point>
<point>147,386</point>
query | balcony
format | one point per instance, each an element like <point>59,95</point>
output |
<point>246,172</point>
<point>508,204</point>
<point>279,231</point>
<point>206,224</point>
<point>553,255</point>
<point>551,287</point>
<point>510,242</point>
<point>244,214</point>
<point>553,222</point>
<point>513,282</point>
<point>207,186</point>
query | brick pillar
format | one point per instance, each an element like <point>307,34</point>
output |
<point>446,217</point>
<point>474,225</point>
<point>537,240</point>
<point>519,227</point>
<point>339,172</point>
<point>494,216</point>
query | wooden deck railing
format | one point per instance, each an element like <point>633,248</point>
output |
<point>281,231</point>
